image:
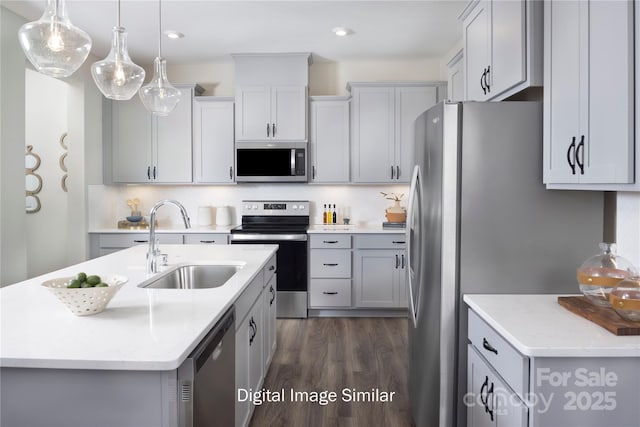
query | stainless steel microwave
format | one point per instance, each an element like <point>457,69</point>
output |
<point>271,162</point>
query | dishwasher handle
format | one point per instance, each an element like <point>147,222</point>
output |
<point>211,345</point>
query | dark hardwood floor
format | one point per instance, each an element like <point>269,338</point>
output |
<point>333,354</point>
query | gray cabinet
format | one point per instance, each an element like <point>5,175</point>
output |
<point>271,113</point>
<point>142,148</point>
<point>329,139</point>
<point>455,78</point>
<point>589,112</point>
<point>330,271</point>
<point>502,48</point>
<point>213,139</point>
<point>382,138</point>
<point>507,388</point>
<point>255,338</point>
<point>105,243</point>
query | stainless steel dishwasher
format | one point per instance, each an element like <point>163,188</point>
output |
<point>206,379</point>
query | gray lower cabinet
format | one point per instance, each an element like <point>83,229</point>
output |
<point>330,271</point>
<point>507,388</point>
<point>255,339</point>
<point>380,271</point>
<point>105,243</point>
<point>359,271</point>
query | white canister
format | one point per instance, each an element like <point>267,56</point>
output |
<point>223,215</point>
<point>204,215</point>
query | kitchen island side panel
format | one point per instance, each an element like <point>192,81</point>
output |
<point>82,398</point>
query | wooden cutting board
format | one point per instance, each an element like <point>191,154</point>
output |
<point>603,316</point>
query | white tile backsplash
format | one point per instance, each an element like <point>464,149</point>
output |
<point>362,203</point>
<point>628,226</point>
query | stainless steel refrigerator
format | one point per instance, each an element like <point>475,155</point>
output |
<point>480,221</point>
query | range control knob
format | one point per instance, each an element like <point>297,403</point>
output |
<point>294,207</point>
<point>301,207</point>
<point>255,206</point>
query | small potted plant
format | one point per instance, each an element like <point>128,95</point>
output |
<point>395,213</point>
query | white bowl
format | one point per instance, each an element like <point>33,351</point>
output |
<point>85,301</point>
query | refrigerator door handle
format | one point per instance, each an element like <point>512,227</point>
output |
<point>415,188</point>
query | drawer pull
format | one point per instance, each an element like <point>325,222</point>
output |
<point>330,241</point>
<point>140,241</point>
<point>330,264</point>
<point>330,293</point>
<point>488,346</point>
<point>207,241</point>
<point>399,242</point>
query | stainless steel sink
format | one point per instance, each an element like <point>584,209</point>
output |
<point>194,277</point>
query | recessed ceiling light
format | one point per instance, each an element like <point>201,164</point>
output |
<point>173,34</point>
<point>342,31</point>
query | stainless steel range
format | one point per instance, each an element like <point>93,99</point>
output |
<point>284,223</point>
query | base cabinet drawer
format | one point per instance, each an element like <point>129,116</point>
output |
<point>330,241</point>
<point>330,293</point>
<point>205,239</point>
<point>330,263</point>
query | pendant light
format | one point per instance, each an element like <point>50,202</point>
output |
<point>117,76</point>
<point>53,44</point>
<point>159,96</point>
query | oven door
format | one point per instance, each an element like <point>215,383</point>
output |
<point>291,278</point>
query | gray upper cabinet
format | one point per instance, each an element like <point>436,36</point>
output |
<point>271,97</point>
<point>502,48</point>
<point>455,77</point>
<point>382,137</point>
<point>329,139</point>
<point>589,96</point>
<point>213,158</point>
<point>142,148</point>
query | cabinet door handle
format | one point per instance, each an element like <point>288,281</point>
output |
<point>397,172</point>
<point>268,130</point>
<point>154,172</point>
<point>398,242</point>
<point>207,241</point>
<point>330,293</point>
<point>273,295</point>
<point>330,241</point>
<point>402,258</point>
<point>488,346</point>
<point>571,155</point>
<point>140,241</point>
<point>313,172</point>
<point>482,81</point>
<point>330,264</point>
<point>273,130</point>
<point>231,173</point>
<point>392,172</point>
<point>483,397</point>
<point>580,155</point>
<point>489,401</point>
<point>149,172</point>
<point>486,79</point>
<point>272,267</point>
<point>397,261</point>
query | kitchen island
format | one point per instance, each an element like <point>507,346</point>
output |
<point>533,363</point>
<point>118,367</point>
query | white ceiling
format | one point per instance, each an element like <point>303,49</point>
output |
<point>383,30</point>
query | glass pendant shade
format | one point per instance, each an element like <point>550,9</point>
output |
<point>53,44</point>
<point>117,76</point>
<point>159,96</point>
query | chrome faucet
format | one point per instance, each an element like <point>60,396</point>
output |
<point>154,251</point>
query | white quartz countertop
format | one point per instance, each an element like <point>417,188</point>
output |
<point>221,229</point>
<point>537,326</point>
<point>141,329</point>
<point>352,229</point>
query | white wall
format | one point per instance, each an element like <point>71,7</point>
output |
<point>628,226</point>
<point>13,261</point>
<point>362,203</point>
<point>325,78</point>
<point>46,121</point>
